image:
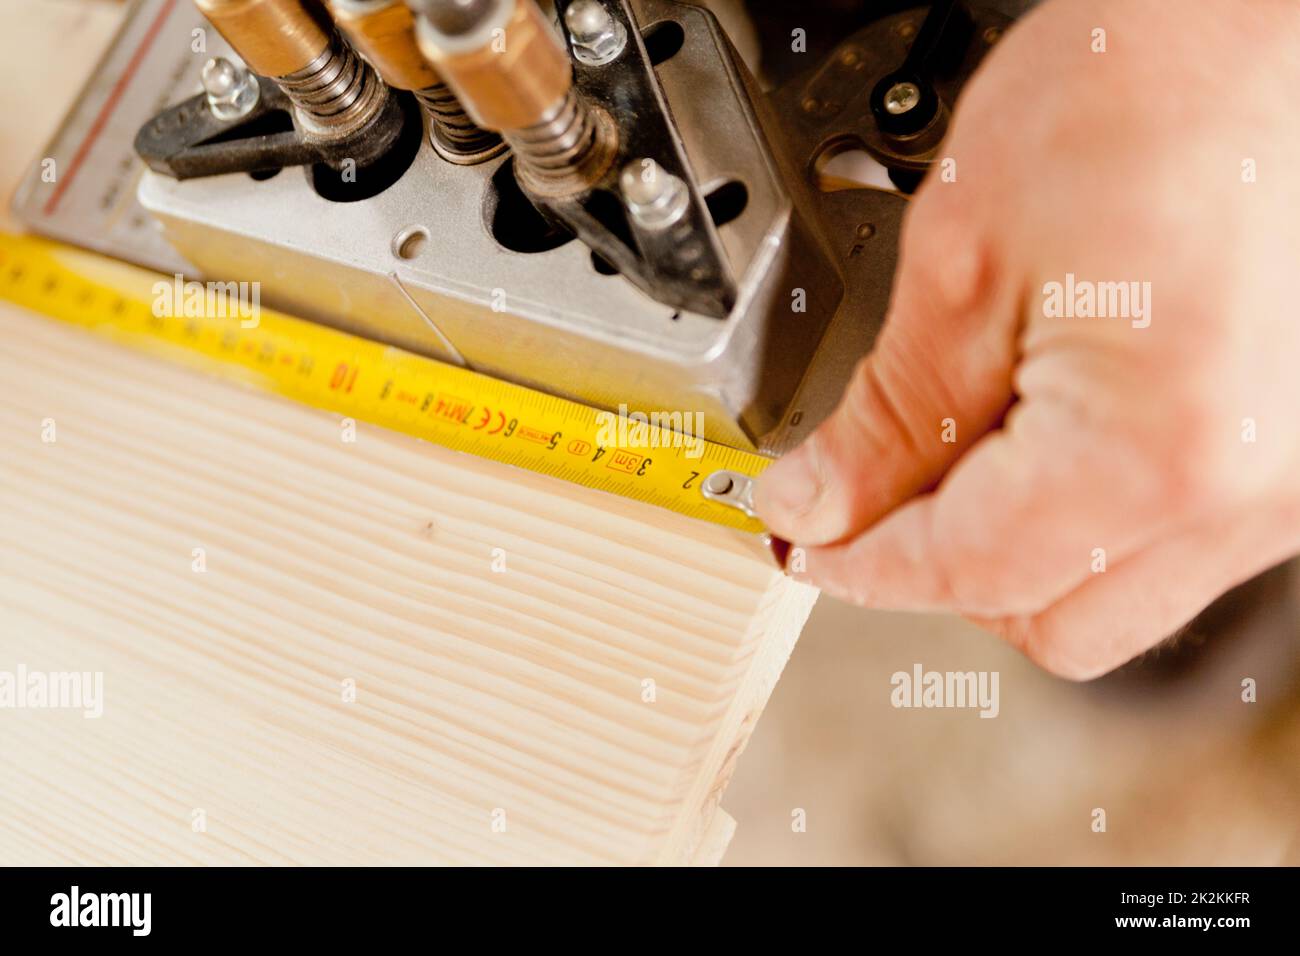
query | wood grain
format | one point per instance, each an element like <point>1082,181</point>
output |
<point>482,695</point>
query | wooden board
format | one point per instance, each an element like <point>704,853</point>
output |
<point>225,736</point>
<point>498,627</point>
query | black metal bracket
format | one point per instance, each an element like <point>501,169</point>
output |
<point>188,140</point>
<point>842,101</point>
<point>683,265</point>
<point>937,50</point>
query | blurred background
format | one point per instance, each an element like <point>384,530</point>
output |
<point>1187,772</point>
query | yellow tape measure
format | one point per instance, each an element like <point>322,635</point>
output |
<point>361,379</point>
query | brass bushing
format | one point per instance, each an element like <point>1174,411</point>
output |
<point>510,73</point>
<point>384,32</point>
<point>274,37</point>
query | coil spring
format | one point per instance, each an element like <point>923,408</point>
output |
<point>456,131</point>
<point>338,91</point>
<point>553,148</point>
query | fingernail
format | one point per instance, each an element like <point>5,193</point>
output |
<point>788,488</point>
<point>780,549</point>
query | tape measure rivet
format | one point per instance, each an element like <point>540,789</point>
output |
<point>731,488</point>
<point>719,483</point>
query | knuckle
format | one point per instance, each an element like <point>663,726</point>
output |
<point>987,583</point>
<point>984,574</point>
<point>1054,646</point>
<point>898,397</point>
<point>851,589</point>
<point>872,405</point>
<point>1198,465</point>
<point>943,260</point>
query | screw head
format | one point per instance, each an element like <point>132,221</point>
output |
<point>655,197</point>
<point>219,76</point>
<point>232,91</point>
<point>643,182</point>
<point>598,37</point>
<point>902,98</point>
<point>587,19</point>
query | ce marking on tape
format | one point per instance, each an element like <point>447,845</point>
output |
<point>489,416</point>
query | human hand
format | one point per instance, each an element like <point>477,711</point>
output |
<point>1081,485</point>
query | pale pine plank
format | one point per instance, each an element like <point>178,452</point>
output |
<point>371,561</point>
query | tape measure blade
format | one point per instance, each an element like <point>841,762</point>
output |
<point>365,380</point>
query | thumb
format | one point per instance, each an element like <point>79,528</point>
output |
<point>938,378</point>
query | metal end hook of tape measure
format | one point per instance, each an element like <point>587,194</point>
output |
<point>736,490</point>
<point>732,489</point>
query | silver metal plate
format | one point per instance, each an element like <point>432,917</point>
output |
<point>91,202</point>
